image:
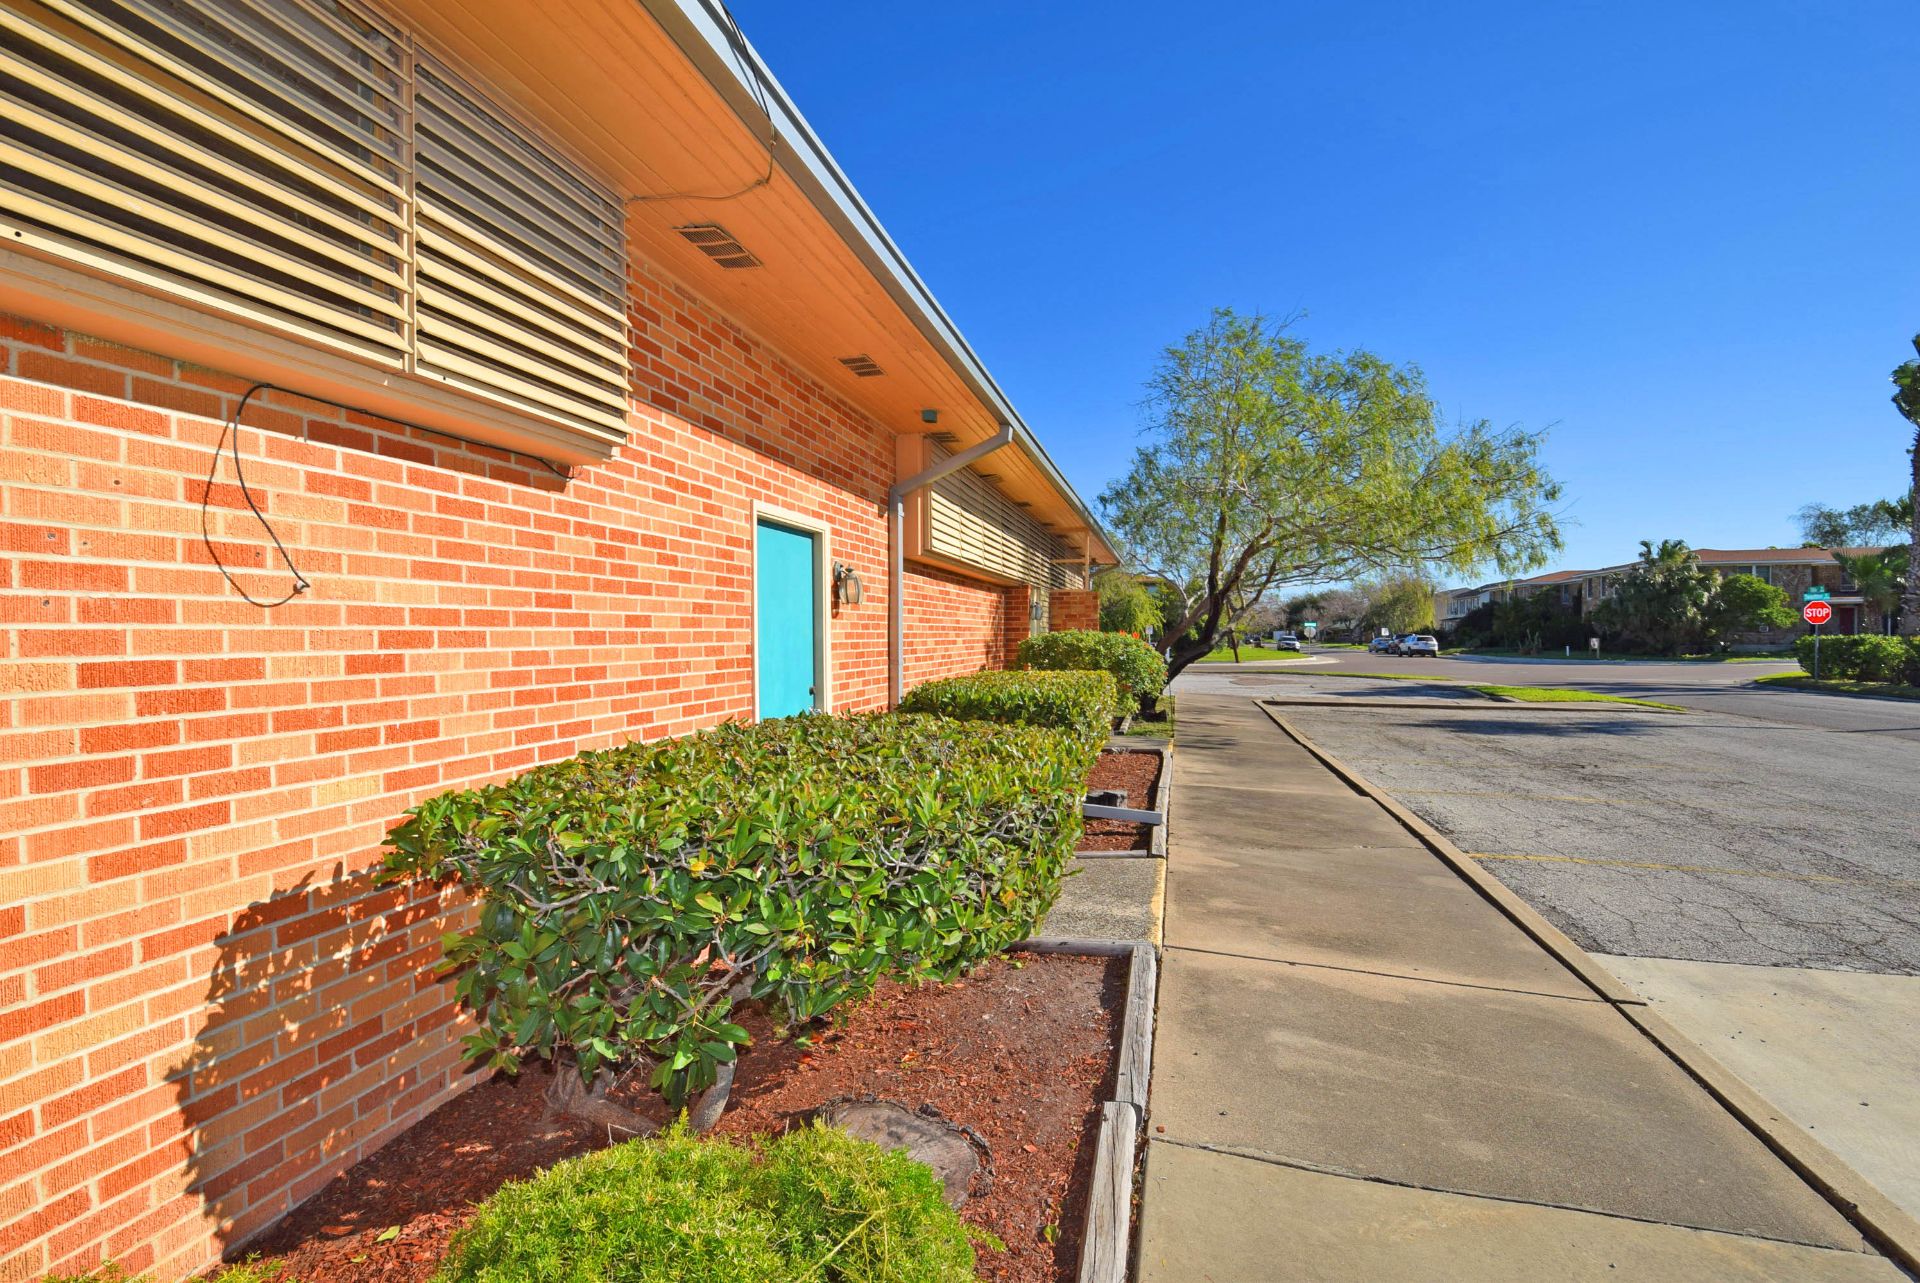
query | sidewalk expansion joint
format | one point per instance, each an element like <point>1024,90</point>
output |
<point>1386,975</point>
<point>1317,1169</point>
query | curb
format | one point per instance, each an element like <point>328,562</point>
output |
<point>1106,1247</point>
<point>1522,914</point>
<point>1162,791</point>
<point>1892,1230</point>
<point>1475,705</point>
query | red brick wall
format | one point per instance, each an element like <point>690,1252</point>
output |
<point>1017,621</point>
<point>1070,608</point>
<point>953,627</point>
<point>206,1007</point>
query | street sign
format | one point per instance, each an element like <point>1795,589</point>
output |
<point>1309,627</point>
<point>1816,594</point>
<point>1817,612</point>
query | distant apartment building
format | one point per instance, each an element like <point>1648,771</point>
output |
<point>1792,570</point>
<point>1452,605</point>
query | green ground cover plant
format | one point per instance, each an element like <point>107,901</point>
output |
<point>631,898</point>
<point>242,1272</point>
<point>1137,668</point>
<point>1864,657</point>
<point>1082,704</point>
<point>816,1205</point>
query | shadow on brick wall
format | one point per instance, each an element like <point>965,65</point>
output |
<point>327,1031</point>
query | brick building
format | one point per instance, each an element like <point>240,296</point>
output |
<point>544,446</point>
<point>1792,570</point>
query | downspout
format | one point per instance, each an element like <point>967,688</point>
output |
<point>897,539</point>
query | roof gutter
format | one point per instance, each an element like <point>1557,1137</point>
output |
<point>897,550</point>
<point>706,34</point>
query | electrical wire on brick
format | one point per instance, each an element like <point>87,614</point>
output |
<point>231,429</point>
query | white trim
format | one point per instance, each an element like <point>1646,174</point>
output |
<point>822,535</point>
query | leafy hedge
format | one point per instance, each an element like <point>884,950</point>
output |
<point>1136,666</point>
<point>629,897</point>
<point>1083,704</point>
<point>1863,657</point>
<point>819,1205</point>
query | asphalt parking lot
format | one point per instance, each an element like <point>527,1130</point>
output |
<point>1712,838</point>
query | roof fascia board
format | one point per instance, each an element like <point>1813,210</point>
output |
<point>700,28</point>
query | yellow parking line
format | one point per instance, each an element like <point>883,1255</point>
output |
<point>1695,868</point>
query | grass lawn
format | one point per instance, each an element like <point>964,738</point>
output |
<point>1800,681</point>
<point>1162,729</point>
<point>1763,657</point>
<point>1225,655</point>
<point>1524,694</point>
<point>1560,695</point>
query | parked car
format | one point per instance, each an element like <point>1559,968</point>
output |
<point>1419,644</point>
<point>1382,645</point>
<point>1286,641</point>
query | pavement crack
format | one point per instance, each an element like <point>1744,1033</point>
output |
<point>1394,975</point>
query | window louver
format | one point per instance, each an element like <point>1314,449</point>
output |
<point>251,159</point>
<point>300,164</point>
<point>520,261</point>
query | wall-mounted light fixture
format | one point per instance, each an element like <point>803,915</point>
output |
<point>847,588</point>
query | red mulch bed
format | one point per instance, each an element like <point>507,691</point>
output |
<point>1136,772</point>
<point>1021,1050</point>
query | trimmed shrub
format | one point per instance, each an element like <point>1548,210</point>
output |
<point>819,1205</point>
<point>1083,704</point>
<point>1863,657</point>
<point>1136,666</point>
<point>630,897</point>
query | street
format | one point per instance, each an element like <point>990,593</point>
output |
<point>1753,867</point>
<point>1712,687</point>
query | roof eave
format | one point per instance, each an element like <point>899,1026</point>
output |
<point>700,29</point>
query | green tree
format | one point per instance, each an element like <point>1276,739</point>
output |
<point>1881,577</point>
<point>1880,522</point>
<point>1906,399</point>
<point>1125,604</point>
<point>1662,603</point>
<point>1270,465</point>
<point>1401,604</point>
<point>1743,604</point>
<point>1524,621</point>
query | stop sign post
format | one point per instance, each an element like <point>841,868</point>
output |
<point>1816,611</point>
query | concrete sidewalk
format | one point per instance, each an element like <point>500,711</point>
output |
<point>1363,1070</point>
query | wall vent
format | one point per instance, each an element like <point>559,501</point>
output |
<point>718,244</point>
<point>863,365</point>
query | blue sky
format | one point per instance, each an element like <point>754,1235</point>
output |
<point>1683,237</point>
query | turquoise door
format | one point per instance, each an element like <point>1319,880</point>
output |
<point>786,642</point>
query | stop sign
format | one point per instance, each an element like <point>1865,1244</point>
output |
<point>1817,612</point>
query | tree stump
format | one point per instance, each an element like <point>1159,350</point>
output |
<point>956,1154</point>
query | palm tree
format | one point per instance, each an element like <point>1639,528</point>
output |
<point>1878,577</point>
<point>1906,398</point>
